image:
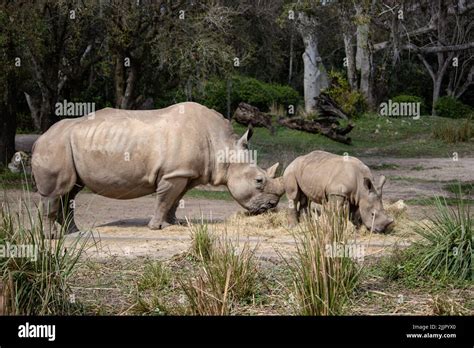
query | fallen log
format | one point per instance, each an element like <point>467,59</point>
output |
<point>247,114</point>
<point>327,107</point>
<point>332,131</point>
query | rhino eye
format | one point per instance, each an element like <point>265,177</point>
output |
<point>259,182</point>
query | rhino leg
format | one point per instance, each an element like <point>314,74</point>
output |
<point>59,211</point>
<point>171,216</point>
<point>168,192</point>
<point>293,193</point>
<point>304,204</point>
<point>67,209</point>
<point>49,207</point>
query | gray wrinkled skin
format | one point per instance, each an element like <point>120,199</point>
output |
<point>125,154</point>
<point>321,176</point>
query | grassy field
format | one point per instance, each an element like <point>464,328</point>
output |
<point>372,136</point>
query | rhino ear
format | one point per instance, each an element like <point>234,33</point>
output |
<point>243,142</point>
<point>272,170</point>
<point>382,180</point>
<point>368,184</point>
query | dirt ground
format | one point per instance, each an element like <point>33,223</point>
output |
<point>120,227</point>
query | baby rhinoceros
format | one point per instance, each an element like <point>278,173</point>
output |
<point>321,176</point>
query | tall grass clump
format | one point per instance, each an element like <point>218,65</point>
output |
<point>454,132</point>
<point>226,276</point>
<point>39,283</point>
<point>445,249</point>
<point>324,276</point>
<point>202,241</point>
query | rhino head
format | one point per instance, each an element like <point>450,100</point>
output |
<point>253,188</point>
<point>371,208</point>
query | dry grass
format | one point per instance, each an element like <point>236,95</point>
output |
<point>323,276</point>
<point>226,276</point>
<point>37,283</point>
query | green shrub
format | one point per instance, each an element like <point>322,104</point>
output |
<point>445,250</point>
<point>351,102</point>
<point>452,108</point>
<point>249,90</point>
<point>213,94</point>
<point>405,98</point>
<point>24,123</point>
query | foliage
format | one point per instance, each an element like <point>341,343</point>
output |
<point>445,250</point>
<point>249,90</point>
<point>452,108</point>
<point>37,285</point>
<point>155,276</point>
<point>351,102</point>
<point>202,242</point>
<point>225,278</point>
<point>323,282</point>
<point>461,131</point>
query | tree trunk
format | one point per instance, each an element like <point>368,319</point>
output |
<point>315,76</point>
<point>127,100</point>
<point>351,69</point>
<point>364,58</point>
<point>247,114</point>
<point>348,37</point>
<point>8,121</point>
<point>332,131</point>
<point>290,68</point>
<point>119,80</point>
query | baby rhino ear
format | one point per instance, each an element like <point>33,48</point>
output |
<point>368,185</point>
<point>272,170</point>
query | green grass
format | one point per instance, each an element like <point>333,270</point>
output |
<point>155,276</point>
<point>9,180</point>
<point>467,188</point>
<point>397,137</point>
<point>445,250</point>
<point>226,277</point>
<point>384,166</point>
<point>40,283</point>
<point>323,278</point>
<point>214,195</point>
<point>442,254</point>
<point>427,201</point>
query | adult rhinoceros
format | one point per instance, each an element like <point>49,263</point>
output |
<point>127,154</point>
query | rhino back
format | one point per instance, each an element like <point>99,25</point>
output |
<point>122,153</point>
